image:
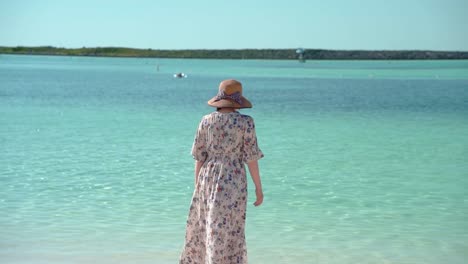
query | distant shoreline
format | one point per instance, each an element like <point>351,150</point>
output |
<point>248,54</point>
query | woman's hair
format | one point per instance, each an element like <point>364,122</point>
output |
<point>235,108</point>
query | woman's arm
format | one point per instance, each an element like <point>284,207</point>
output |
<point>198,165</point>
<point>255,174</point>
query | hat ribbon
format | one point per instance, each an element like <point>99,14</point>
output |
<point>236,97</point>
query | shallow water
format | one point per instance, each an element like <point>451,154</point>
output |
<point>365,161</point>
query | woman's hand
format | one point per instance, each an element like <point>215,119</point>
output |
<point>259,194</point>
<point>255,174</point>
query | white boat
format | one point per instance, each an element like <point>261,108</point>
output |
<point>180,75</point>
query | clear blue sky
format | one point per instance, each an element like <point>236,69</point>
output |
<point>217,24</point>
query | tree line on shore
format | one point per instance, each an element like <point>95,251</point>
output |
<point>274,54</point>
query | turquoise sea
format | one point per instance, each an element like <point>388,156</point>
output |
<point>365,161</point>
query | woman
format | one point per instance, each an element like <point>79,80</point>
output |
<point>224,141</point>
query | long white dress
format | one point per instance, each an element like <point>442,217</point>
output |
<point>216,220</point>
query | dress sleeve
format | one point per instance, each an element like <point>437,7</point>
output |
<point>251,150</point>
<point>199,144</point>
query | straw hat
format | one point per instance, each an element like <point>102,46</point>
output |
<point>230,95</point>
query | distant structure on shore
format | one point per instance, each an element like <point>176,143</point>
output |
<point>300,52</point>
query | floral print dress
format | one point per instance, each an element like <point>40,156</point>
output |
<point>216,220</point>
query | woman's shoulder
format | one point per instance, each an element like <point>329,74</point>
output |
<point>236,115</point>
<point>211,117</point>
<point>245,117</point>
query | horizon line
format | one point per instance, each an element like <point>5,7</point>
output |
<point>220,49</point>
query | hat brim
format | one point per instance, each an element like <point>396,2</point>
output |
<point>229,103</point>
